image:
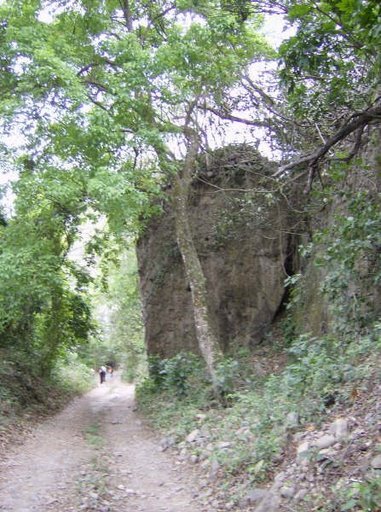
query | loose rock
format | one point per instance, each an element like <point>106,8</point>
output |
<point>193,436</point>
<point>376,462</point>
<point>324,442</point>
<point>288,492</point>
<point>302,450</point>
<point>339,428</point>
<point>253,497</point>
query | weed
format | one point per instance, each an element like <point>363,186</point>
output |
<point>93,436</point>
<point>361,496</point>
<point>177,375</point>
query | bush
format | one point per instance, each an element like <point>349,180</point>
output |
<point>73,376</point>
<point>321,372</point>
<point>175,374</point>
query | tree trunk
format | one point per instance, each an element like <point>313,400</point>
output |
<point>206,337</point>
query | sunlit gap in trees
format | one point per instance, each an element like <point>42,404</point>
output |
<point>87,230</point>
<point>216,132</point>
<point>8,175</point>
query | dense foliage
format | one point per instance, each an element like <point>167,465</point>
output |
<point>109,99</point>
<point>106,102</point>
<point>104,95</point>
<point>43,304</point>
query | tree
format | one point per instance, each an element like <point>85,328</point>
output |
<point>331,71</point>
<point>43,307</point>
<point>118,92</point>
<point>123,94</point>
<point>328,89</point>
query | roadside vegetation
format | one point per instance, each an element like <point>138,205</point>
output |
<point>26,395</point>
<point>107,108</point>
<point>292,385</point>
<point>269,395</point>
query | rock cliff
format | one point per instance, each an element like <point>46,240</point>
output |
<point>245,233</point>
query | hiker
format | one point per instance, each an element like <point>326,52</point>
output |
<point>102,374</point>
<point>110,370</point>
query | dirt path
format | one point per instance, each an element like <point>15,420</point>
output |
<point>95,456</point>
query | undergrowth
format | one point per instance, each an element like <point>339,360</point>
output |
<point>24,391</point>
<point>254,418</point>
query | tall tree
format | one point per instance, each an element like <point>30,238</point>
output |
<point>118,91</point>
<point>43,307</point>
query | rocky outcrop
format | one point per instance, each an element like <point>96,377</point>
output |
<point>245,236</point>
<point>341,277</point>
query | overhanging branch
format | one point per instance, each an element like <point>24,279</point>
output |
<point>230,117</point>
<point>356,122</point>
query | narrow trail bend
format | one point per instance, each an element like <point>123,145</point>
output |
<point>96,455</point>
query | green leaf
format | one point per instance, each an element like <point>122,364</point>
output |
<point>299,11</point>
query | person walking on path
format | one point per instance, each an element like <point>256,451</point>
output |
<point>102,374</point>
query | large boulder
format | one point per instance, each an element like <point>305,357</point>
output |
<point>244,234</point>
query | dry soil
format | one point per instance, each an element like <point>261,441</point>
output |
<point>95,455</point>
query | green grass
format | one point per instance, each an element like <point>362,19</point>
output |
<point>93,436</point>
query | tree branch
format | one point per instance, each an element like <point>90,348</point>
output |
<point>92,65</point>
<point>98,103</point>
<point>125,5</point>
<point>355,148</point>
<point>96,85</point>
<point>270,7</point>
<point>229,117</point>
<point>355,122</point>
<point>267,99</point>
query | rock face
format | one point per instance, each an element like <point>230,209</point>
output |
<point>358,302</point>
<point>242,233</point>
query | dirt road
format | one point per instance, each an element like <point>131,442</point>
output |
<point>96,455</point>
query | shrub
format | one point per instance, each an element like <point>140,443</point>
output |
<point>174,374</point>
